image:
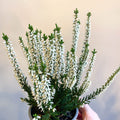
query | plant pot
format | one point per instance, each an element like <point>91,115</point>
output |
<point>76,111</point>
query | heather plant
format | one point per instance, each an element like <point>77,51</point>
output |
<point>56,75</point>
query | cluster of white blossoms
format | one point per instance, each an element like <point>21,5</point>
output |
<point>85,53</point>
<point>72,59</point>
<point>18,73</point>
<point>37,48</point>
<point>58,66</point>
<point>46,62</point>
<point>56,78</point>
<point>43,92</point>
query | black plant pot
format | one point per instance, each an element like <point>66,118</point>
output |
<point>70,115</point>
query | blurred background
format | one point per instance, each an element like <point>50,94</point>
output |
<point>15,15</point>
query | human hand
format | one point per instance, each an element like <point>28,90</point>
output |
<point>86,113</point>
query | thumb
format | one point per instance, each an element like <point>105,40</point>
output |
<point>79,115</point>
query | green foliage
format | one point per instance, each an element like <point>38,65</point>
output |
<point>30,27</point>
<point>61,42</point>
<point>46,117</point>
<point>57,85</point>
<point>76,11</point>
<point>57,28</point>
<point>5,37</point>
<point>45,37</point>
<point>51,36</point>
<point>43,66</point>
<point>88,98</point>
<point>36,32</point>
<point>72,50</point>
<point>68,100</point>
<point>35,116</point>
<point>78,22</point>
<point>89,14</point>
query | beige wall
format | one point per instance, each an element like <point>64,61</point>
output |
<point>15,15</point>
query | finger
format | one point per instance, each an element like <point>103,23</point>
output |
<point>79,115</point>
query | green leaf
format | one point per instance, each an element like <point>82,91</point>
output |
<point>76,11</point>
<point>26,49</point>
<point>89,14</point>
<point>30,68</point>
<point>61,42</point>
<point>73,50</point>
<point>5,37</point>
<point>78,21</point>
<point>35,67</point>
<point>30,27</point>
<point>40,31</point>
<point>20,38</point>
<point>27,34</point>
<point>35,115</point>
<point>57,28</point>
<point>43,65</point>
<point>44,37</point>
<point>94,51</point>
<point>36,32</point>
<point>51,36</point>
<point>46,117</point>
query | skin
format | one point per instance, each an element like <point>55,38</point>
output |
<point>86,113</point>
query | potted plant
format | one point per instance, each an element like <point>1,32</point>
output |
<point>56,77</point>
